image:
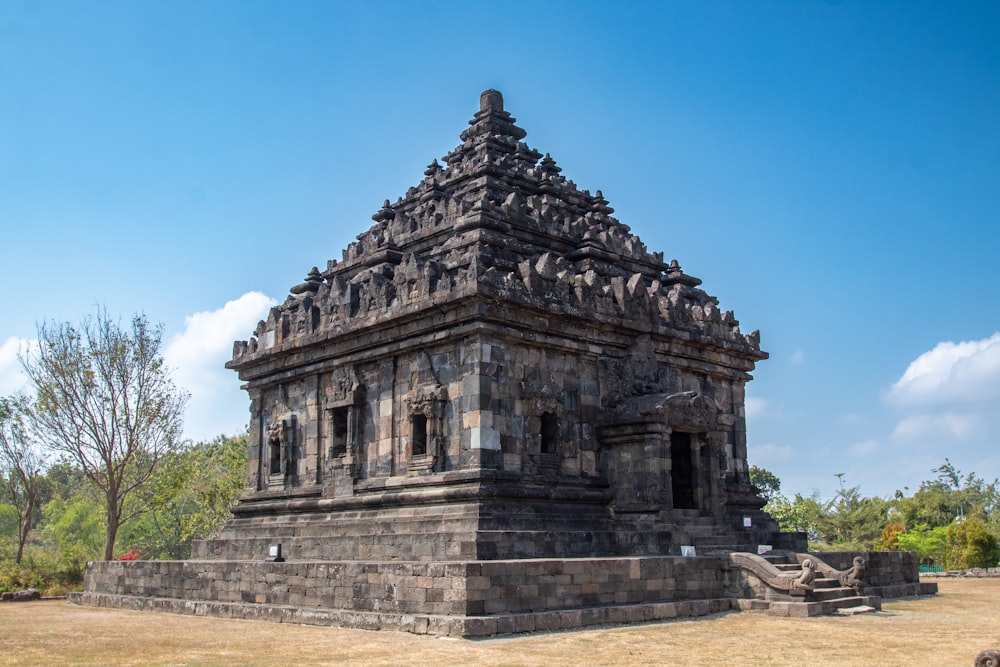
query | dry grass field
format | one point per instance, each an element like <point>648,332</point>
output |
<point>943,631</point>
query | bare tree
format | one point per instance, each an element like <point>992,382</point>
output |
<point>21,465</point>
<point>104,398</point>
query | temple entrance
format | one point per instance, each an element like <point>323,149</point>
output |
<point>682,471</point>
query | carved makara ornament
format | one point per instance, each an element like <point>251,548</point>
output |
<point>853,578</point>
<point>804,582</point>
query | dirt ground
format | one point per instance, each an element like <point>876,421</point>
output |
<point>946,630</point>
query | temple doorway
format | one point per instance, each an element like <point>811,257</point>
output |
<point>682,471</point>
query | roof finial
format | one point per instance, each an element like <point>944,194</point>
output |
<point>387,213</point>
<point>432,168</point>
<point>492,119</point>
<point>491,99</point>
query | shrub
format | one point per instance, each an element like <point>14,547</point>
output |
<point>889,540</point>
<point>970,544</point>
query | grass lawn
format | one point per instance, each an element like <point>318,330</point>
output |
<point>946,630</point>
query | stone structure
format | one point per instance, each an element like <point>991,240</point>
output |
<point>498,368</point>
<point>26,595</point>
<point>988,658</point>
<point>498,412</point>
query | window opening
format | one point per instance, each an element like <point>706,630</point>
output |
<point>274,445</point>
<point>418,424</point>
<point>338,431</point>
<point>549,434</point>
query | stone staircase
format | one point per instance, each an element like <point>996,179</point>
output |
<point>768,580</point>
<point>707,535</point>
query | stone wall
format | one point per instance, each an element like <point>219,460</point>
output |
<point>458,588</point>
<point>513,596</point>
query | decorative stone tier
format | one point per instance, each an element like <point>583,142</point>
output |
<point>464,515</point>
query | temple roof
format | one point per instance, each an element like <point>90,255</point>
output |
<point>500,220</point>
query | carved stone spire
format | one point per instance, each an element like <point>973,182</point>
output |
<point>549,166</point>
<point>385,213</point>
<point>433,169</point>
<point>492,119</point>
<point>600,204</point>
<point>311,284</point>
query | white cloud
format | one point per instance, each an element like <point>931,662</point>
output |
<point>769,454</point>
<point>11,377</point>
<point>864,448</point>
<point>947,425</point>
<point>198,355</point>
<point>756,407</point>
<point>798,356</point>
<point>949,398</point>
<point>967,372</point>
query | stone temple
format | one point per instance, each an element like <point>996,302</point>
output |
<point>499,412</point>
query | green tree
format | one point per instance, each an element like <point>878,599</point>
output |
<point>21,466</point>
<point>930,544</point>
<point>766,482</point>
<point>189,497</point>
<point>889,540</point>
<point>104,400</point>
<point>71,533</point>
<point>8,530</point>
<point>74,527</point>
<point>848,521</point>
<point>969,544</point>
<point>951,495</point>
<point>851,521</point>
<point>800,514</point>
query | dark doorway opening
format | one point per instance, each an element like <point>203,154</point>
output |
<point>682,471</point>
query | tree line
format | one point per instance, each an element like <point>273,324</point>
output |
<point>92,459</point>
<point>951,521</point>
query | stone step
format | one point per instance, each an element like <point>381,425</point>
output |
<point>824,594</point>
<point>852,611</point>
<point>787,567</point>
<point>814,608</point>
<point>782,560</point>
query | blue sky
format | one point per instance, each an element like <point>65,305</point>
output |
<point>829,169</point>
